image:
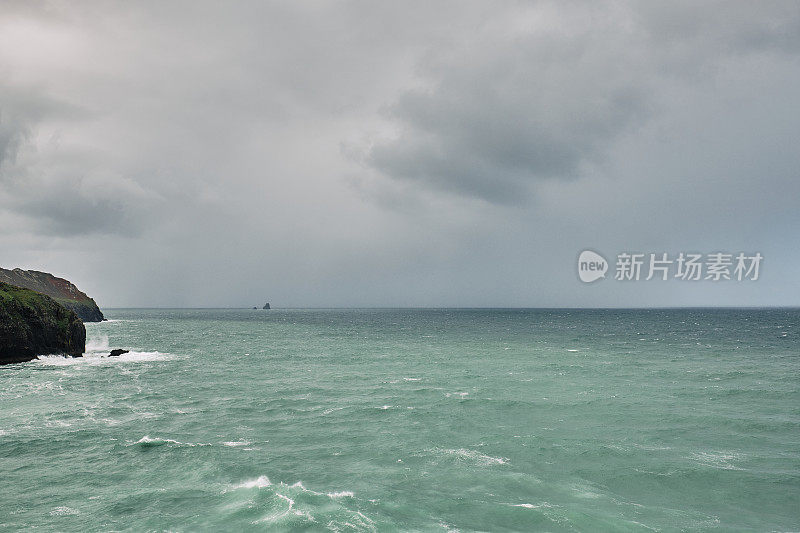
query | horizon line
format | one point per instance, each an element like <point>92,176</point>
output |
<point>520,308</point>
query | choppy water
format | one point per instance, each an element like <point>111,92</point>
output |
<point>362,420</point>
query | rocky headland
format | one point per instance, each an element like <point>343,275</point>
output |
<point>59,289</point>
<point>34,324</point>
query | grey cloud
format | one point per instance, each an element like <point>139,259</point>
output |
<point>22,108</point>
<point>704,32</point>
<point>182,98</point>
<point>511,109</point>
<point>479,143</point>
<point>198,153</point>
<point>12,134</point>
<point>80,205</point>
<point>61,191</point>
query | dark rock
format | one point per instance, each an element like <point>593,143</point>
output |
<point>58,289</point>
<point>117,352</point>
<point>266,306</point>
<point>34,324</point>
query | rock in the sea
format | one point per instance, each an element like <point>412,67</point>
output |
<point>58,289</point>
<point>117,352</point>
<point>34,324</point>
<point>266,306</point>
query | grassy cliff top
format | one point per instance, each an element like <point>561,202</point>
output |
<point>45,283</point>
<point>32,324</point>
<point>17,303</point>
<point>61,290</point>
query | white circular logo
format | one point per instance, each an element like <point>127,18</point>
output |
<point>591,266</point>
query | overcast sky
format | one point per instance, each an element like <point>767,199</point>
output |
<point>398,153</point>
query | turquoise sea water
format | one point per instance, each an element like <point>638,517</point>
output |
<point>423,420</point>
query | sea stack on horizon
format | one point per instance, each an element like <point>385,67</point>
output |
<point>266,306</point>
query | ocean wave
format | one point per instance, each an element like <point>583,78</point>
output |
<point>260,482</point>
<point>294,505</point>
<point>97,358</point>
<point>150,442</point>
<point>543,505</point>
<point>63,511</point>
<point>97,352</point>
<point>237,443</point>
<point>297,487</point>
<point>464,454</point>
<point>58,360</point>
<point>341,494</point>
<point>717,459</point>
<point>97,344</point>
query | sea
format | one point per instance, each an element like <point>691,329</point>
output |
<point>409,420</point>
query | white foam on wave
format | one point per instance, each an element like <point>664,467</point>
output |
<point>286,499</point>
<point>263,482</point>
<point>63,511</point>
<point>97,352</point>
<point>472,455</point>
<point>341,494</point>
<point>98,349</point>
<point>237,443</point>
<point>277,516</point>
<point>717,459</point>
<point>147,440</point>
<point>260,482</point>
<point>289,501</point>
<point>543,505</point>
<point>92,359</point>
<point>56,360</point>
<point>98,344</point>
<point>135,356</point>
<point>57,424</point>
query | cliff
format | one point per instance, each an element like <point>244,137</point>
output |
<point>61,290</point>
<point>33,324</point>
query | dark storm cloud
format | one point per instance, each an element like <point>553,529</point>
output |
<point>512,107</point>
